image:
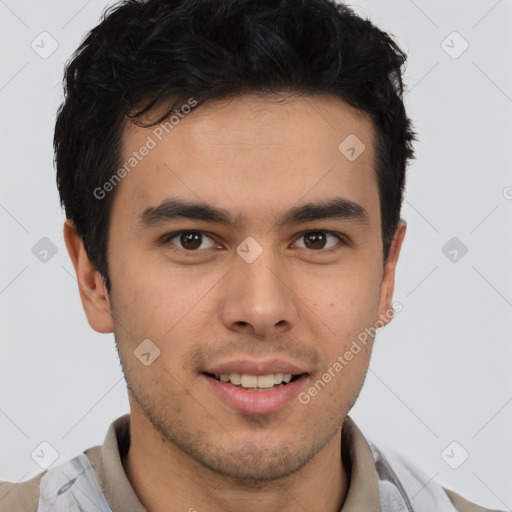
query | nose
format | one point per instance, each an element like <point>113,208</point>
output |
<point>259,297</point>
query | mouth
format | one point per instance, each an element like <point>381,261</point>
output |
<point>263,394</point>
<point>255,383</point>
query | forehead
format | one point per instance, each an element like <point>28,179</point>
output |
<point>255,152</point>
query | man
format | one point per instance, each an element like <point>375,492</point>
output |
<point>232,175</point>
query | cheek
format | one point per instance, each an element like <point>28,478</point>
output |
<point>347,302</point>
<point>144,290</point>
<point>165,306</point>
<point>349,307</point>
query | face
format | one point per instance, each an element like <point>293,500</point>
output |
<point>279,276</point>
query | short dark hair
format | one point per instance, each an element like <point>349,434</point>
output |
<point>154,52</point>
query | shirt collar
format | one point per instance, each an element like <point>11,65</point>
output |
<point>363,489</point>
<point>115,484</point>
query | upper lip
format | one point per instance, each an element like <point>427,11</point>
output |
<point>255,368</point>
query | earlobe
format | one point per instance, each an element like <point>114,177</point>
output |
<point>388,279</point>
<point>91,284</point>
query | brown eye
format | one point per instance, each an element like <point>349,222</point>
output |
<point>189,240</point>
<point>316,240</point>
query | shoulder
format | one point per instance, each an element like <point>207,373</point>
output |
<point>22,497</point>
<point>399,476</point>
<point>463,505</point>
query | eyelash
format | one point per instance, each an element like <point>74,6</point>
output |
<point>170,236</point>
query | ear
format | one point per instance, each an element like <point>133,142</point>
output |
<point>91,284</point>
<point>388,278</point>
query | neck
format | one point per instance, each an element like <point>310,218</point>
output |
<point>167,479</point>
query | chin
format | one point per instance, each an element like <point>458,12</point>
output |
<point>251,465</point>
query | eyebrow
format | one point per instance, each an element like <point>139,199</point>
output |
<point>174,208</point>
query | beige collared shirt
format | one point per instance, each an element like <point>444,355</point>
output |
<point>363,490</point>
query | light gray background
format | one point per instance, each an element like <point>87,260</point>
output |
<point>440,371</point>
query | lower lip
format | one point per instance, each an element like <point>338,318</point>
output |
<point>256,402</point>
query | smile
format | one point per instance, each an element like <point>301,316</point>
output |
<point>256,394</point>
<point>255,382</point>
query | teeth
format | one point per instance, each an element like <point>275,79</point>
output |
<point>255,381</point>
<point>249,381</point>
<point>235,378</point>
<point>265,381</point>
